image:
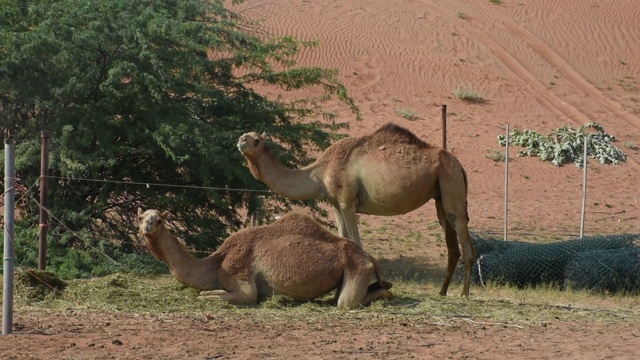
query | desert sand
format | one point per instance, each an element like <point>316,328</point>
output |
<point>539,65</point>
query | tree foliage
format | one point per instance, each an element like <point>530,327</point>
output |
<point>151,92</point>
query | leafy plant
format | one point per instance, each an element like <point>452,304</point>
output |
<point>566,145</point>
<point>152,92</point>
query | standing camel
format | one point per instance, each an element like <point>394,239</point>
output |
<point>295,256</point>
<point>389,172</point>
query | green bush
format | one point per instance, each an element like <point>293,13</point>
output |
<point>566,145</point>
<point>89,260</point>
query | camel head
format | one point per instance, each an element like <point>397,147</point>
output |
<point>151,221</point>
<point>251,144</point>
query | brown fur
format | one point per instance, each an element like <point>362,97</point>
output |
<point>295,256</point>
<point>388,172</point>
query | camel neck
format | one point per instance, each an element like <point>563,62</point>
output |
<point>190,271</point>
<point>297,184</point>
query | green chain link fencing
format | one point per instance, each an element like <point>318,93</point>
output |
<point>604,263</point>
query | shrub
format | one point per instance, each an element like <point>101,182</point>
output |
<point>566,144</point>
<point>468,94</point>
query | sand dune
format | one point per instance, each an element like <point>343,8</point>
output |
<point>538,64</point>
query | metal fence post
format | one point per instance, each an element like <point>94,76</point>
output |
<point>506,186</point>
<point>9,245</point>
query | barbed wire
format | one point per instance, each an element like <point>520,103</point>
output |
<point>20,188</point>
<point>149,184</point>
<point>25,194</point>
<point>74,233</point>
<point>563,232</point>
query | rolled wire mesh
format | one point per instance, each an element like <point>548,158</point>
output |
<point>607,263</point>
<point>606,271</point>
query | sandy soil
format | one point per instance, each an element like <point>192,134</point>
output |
<point>539,64</point>
<point>123,336</point>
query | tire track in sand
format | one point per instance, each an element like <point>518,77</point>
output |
<point>527,79</point>
<point>501,39</point>
<point>569,73</point>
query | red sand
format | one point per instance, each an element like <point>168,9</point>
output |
<point>539,64</point>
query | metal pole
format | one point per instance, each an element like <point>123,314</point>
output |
<point>584,186</point>
<point>9,250</point>
<point>444,126</point>
<point>506,186</point>
<point>44,189</point>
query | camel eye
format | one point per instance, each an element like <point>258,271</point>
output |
<point>257,142</point>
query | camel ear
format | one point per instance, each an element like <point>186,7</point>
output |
<point>165,215</point>
<point>264,136</point>
<point>139,211</point>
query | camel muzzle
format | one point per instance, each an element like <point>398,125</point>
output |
<point>147,227</point>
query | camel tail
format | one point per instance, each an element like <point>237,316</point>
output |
<point>466,190</point>
<point>379,284</point>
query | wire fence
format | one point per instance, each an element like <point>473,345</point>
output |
<point>27,194</point>
<point>30,193</point>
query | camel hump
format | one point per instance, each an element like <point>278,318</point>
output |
<point>395,134</point>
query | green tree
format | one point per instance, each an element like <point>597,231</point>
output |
<point>151,92</point>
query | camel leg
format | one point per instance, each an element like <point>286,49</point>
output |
<point>377,294</point>
<point>247,294</point>
<point>468,251</point>
<point>452,246</point>
<point>456,217</point>
<point>378,290</point>
<point>351,223</point>
<point>342,228</point>
<point>354,287</point>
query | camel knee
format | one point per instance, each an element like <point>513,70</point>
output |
<point>351,298</point>
<point>457,222</point>
<point>355,287</point>
<point>451,218</point>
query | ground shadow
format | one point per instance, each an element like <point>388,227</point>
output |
<point>417,269</point>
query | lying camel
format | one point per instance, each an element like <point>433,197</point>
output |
<point>389,172</point>
<point>294,256</point>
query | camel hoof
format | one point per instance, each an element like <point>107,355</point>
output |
<point>381,284</point>
<point>388,295</point>
<point>385,285</point>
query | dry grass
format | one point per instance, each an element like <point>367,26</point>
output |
<point>416,285</point>
<point>415,288</point>
<point>412,260</point>
<point>468,94</point>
